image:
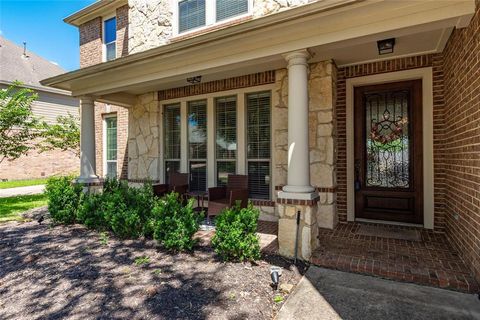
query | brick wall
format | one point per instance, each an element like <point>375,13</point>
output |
<point>37,165</point>
<point>431,60</point>
<point>462,141</point>
<point>102,110</point>
<point>91,42</point>
<point>122,31</point>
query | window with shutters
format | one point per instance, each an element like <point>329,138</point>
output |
<point>110,148</point>
<point>172,130</point>
<point>110,38</point>
<point>225,137</point>
<point>258,144</point>
<point>195,14</point>
<point>197,145</point>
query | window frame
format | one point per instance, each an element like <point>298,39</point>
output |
<point>269,160</point>
<point>241,160</point>
<point>104,143</point>
<point>210,17</point>
<point>164,136</point>
<point>104,44</point>
<point>190,159</point>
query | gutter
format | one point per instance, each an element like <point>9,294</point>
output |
<point>41,88</point>
<point>259,23</point>
<point>92,11</point>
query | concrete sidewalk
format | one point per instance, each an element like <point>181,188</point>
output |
<point>329,294</point>
<point>21,191</point>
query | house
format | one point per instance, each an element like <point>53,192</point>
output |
<point>18,64</point>
<point>345,111</point>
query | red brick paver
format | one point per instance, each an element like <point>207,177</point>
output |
<point>431,261</point>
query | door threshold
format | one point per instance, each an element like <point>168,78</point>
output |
<point>392,223</point>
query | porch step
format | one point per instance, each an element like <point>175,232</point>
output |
<point>430,261</point>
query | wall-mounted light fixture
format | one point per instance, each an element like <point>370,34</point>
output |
<point>386,46</point>
<point>193,80</point>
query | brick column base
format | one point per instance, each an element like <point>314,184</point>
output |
<point>307,229</point>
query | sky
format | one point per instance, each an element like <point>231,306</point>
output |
<point>40,24</point>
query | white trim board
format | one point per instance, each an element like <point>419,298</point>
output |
<point>427,124</point>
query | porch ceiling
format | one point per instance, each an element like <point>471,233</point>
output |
<point>343,30</point>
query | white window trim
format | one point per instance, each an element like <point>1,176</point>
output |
<point>211,129</point>
<point>210,17</point>
<point>104,45</point>
<point>104,142</point>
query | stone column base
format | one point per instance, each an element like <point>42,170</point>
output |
<point>307,229</point>
<point>90,185</point>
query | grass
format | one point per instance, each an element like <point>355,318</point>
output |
<point>21,183</point>
<point>142,260</point>
<point>11,207</point>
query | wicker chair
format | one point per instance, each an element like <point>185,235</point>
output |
<point>220,198</point>
<point>178,182</point>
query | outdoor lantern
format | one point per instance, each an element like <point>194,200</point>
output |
<point>386,46</point>
<point>193,80</point>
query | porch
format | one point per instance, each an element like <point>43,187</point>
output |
<point>301,72</point>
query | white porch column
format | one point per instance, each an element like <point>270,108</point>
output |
<point>87,141</point>
<point>298,179</point>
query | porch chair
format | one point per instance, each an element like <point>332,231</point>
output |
<point>220,198</point>
<point>178,182</point>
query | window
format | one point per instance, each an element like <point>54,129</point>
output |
<point>110,38</point>
<point>229,8</point>
<point>226,137</point>
<point>258,144</point>
<point>171,126</point>
<point>191,14</point>
<point>111,147</point>
<point>197,145</point>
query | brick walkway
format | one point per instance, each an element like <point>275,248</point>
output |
<point>431,261</point>
<point>267,232</point>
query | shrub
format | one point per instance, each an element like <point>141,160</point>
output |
<point>64,198</point>
<point>174,224</point>
<point>235,236</point>
<point>124,210</point>
<point>90,212</point>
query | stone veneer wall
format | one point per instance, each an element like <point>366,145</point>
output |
<point>462,141</point>
<point>150,22</point>
<point>143,141</point>
<point>322,136</point>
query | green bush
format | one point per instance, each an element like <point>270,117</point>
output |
<point>64,199</point>
<point>235,236</point>
<point>90,212</point>
<point>174,224</point>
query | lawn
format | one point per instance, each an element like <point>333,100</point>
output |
<point>22,183</point>
<point>11,207</point>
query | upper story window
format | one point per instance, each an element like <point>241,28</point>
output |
<point>110,38</point>
<point>194,14</point>
<point>230,8</point>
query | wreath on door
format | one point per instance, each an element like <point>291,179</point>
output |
<point>395,132</point>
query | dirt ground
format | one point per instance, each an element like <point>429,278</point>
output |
<point>58,272</point>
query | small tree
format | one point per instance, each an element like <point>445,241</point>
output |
<point>63,135</point>
<point>18,126</point>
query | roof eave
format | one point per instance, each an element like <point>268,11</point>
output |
<point>92,11</point>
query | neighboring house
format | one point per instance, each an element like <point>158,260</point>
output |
<point>305,97</point>
<point>16,64</point>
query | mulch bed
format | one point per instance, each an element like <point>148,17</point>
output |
<point>58,272</point>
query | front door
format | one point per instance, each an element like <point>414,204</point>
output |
<point>388,152</point>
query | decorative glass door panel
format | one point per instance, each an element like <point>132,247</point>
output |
<point>387,139</point>
<point>388,152</point>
